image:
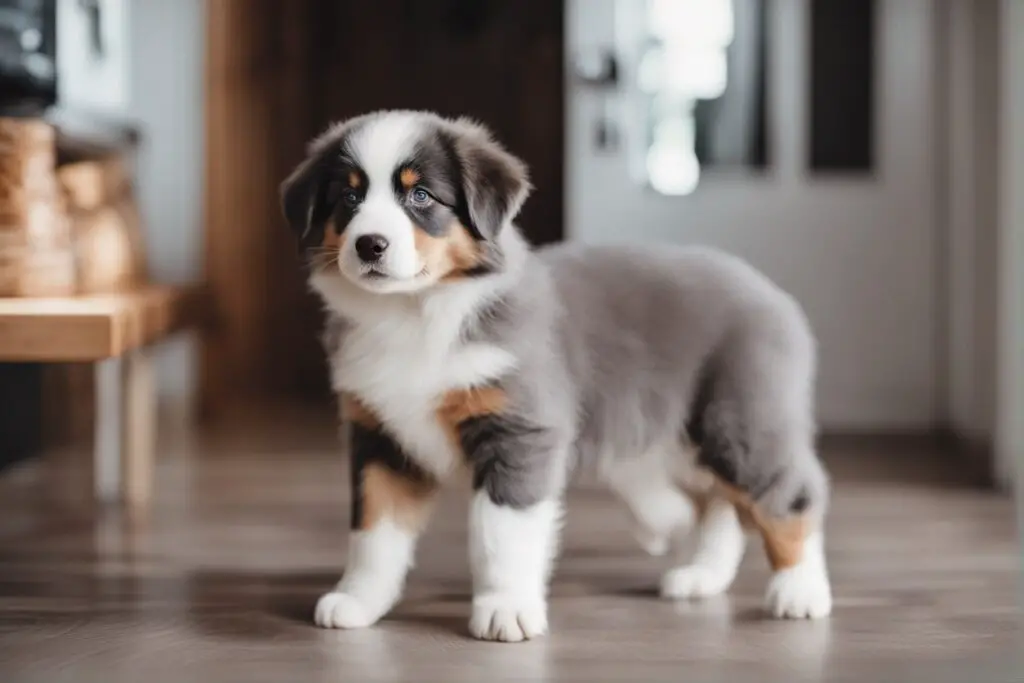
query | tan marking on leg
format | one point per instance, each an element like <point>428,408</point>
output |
<point>389,495</point>
<point>459,405</point>
<point>783,537</point>
<point>353,409</point>
<point>784,542</point>
<point>450,256</point>
<point>409,177</point>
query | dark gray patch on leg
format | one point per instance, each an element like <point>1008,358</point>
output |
<point>762,459</point>
<point>717,428</point>
<point>510,459</point>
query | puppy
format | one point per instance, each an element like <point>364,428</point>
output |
<point>682,376</point>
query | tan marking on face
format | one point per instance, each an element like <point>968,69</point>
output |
<point>448,257</point>
<point>409,177</point>
<point>389,495</point>
<point>326,255</point>
<point>331,239</point>
<point>353,409</point>
<point>459,405</point>
<point>354,180</point>
<point>783,538</point>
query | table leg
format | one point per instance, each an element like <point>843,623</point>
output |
<point>125,430</point>
<point>107,431</point>
<point>138,437</point>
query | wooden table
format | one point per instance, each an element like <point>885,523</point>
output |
<point>114,332</point>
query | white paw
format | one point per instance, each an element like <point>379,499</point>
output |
<point>694,581</point>
<point>508,619</point>
<point>342,610</point>
<point>799,593</point>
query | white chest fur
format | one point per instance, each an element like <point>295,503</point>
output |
<point>402,362</point>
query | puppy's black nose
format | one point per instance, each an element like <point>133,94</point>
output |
<point>371,247</point>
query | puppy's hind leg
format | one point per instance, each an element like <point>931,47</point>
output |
<point>795,545</point>
<point>799,587</point>
<point>753,422</point>
<point>658,509</point>
<point>720,548</point>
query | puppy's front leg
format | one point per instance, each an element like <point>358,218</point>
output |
<point>391,500</point>
<point>511,552</point>
<point>514,522</point>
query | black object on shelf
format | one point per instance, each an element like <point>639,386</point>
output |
<point>28,88</point>
<point>28,56</point>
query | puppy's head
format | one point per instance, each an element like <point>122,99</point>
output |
<point>398,201</point>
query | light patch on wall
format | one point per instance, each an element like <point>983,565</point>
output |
<point>92,54</point>
<point>686,61</point>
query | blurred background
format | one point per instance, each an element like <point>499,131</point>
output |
<point>868,155</point>
<point>862,153</point>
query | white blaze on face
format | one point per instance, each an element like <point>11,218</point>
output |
<point>379,148</point>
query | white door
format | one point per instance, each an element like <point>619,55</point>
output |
<point>859,252</point>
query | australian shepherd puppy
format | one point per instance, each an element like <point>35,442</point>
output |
<point>681,376</point>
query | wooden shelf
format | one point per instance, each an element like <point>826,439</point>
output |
<point>92,328</point>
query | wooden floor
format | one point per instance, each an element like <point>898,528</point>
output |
<point>248,529</point>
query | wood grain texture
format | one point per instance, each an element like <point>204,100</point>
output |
<point>248,528</point>
<point>259,118</point>
<point>89,328</point>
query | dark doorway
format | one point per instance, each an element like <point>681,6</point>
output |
<point>495,60</point>
<point>279,72</point>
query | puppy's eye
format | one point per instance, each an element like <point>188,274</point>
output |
<point>350,197</point>
<point>420,197</point>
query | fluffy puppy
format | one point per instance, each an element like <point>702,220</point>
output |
<point>682,376</point>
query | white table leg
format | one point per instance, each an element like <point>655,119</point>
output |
<point>138,429</point>
<point>107,431</point>
<point>125,430</point>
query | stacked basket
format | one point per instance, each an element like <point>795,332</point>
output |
<point>105,223</point>
<point>36,250</point>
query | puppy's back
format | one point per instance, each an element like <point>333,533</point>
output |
<point>673,342</point>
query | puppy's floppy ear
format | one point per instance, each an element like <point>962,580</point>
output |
<point>494,182</point>
<point>303,201</point>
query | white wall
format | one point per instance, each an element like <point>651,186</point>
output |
<point>1010,423</point>
<point>153,76</point>
<point>88,81</point>
<point>861,254</point>
<point>166,95</point>
<point>970,212</point>
<point>985,227</point>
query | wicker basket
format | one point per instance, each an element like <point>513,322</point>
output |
<point>104,253</point>
<point>35,239</point>
<point>105,227</point>
<point>88,185</point>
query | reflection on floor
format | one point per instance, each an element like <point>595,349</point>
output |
<point>218,583</point>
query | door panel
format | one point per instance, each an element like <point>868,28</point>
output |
<point>858,250</point>
<point>278,72</point>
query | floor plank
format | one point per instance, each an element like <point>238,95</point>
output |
<point>248,527</point>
